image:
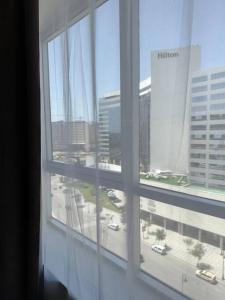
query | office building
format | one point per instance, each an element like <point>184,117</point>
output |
<point>110,126</point>
<point>207,136</point>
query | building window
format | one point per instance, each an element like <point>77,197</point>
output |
<point>198,89</point>
<point>220,85</point>
<point>217,75</point>
<point>199,79</point>
<point>217,96</point>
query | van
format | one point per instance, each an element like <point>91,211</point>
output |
<point>159,249</point>
<point>206,275</point>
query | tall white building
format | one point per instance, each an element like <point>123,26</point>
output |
<point>207,138</point>
<point>171,72</point>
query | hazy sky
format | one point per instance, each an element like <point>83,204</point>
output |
<point>163,24</point>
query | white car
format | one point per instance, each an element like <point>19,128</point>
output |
<point>159,249</point>
<point>111,195</point>
<point>206,275</point>
<point>114,226</point>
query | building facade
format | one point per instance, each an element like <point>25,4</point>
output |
<point>72,136</point>
<point>109,125</point>
<point>171,72</point>
<point>207,132</point>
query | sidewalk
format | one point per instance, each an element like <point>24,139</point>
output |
<point>179,249</point>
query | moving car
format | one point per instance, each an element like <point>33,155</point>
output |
<point>114,226</point>
<point>159,249</point>
<point>206,275</point>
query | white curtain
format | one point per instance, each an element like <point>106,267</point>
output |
<point>82,134</point>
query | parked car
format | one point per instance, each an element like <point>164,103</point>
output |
<point>114,226</point>
<point>206,275</point>
<point>159,249</point>
<point>111,195</point>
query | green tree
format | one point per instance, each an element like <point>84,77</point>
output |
<point>160,235</point>
<point>198,251</point>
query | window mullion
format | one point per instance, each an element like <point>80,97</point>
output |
<point>129,49</point>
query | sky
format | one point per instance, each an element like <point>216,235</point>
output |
<point>163,24</point>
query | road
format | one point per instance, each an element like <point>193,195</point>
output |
<point>168,268</point>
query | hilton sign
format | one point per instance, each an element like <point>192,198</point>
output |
<point>167,55</point>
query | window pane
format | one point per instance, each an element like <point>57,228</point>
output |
<point>182,110</point>
<point>177,244</point>
<point>71,104</point>
<point>74,204</point>
<point>108,85</point>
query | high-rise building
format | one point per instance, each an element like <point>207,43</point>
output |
<point>207,137</point>
<point>110,124</point>
<point>72,135</point>
<point>171,71</point>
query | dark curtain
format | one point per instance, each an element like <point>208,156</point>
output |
<point>20,150</point>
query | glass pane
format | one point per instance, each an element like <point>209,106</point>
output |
<point>108,85</point>
<point>182,248</point>
<point>72,120</point>
<point>113,220</point>
<point>182,96</point>
<point>74,204</point>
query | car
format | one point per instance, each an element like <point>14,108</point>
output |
<point>159,249</point>
<point>111,195</point>
<point>114,226</point>
<point>206,275</point>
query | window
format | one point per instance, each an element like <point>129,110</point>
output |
<point>217,127</point>
<point>219,106</point>
<point>172,241</point>
<point>218,75</point>
<point>198,136</point>
<point>199,98</point>
<point>198,155</point>
<point>199,79</point>
<point>129,165</point>
<point>198,127</point>
<point>220,85</point>
<point>217,146</point>
<point>217,96</point>
<point>199,118</point>
<point>217,117</point>
<point>217,136</point>
<point>216,156</point>
<point>198,89</point>
<point>198,146</point>
<point>198,108</point>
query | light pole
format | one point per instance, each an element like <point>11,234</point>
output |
<point>183,280</point>
<point>223,265</point>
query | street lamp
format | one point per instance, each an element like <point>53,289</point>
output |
<point>223,265</point>
<point>183,280</point>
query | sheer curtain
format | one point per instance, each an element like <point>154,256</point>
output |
<point>117,110</point>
